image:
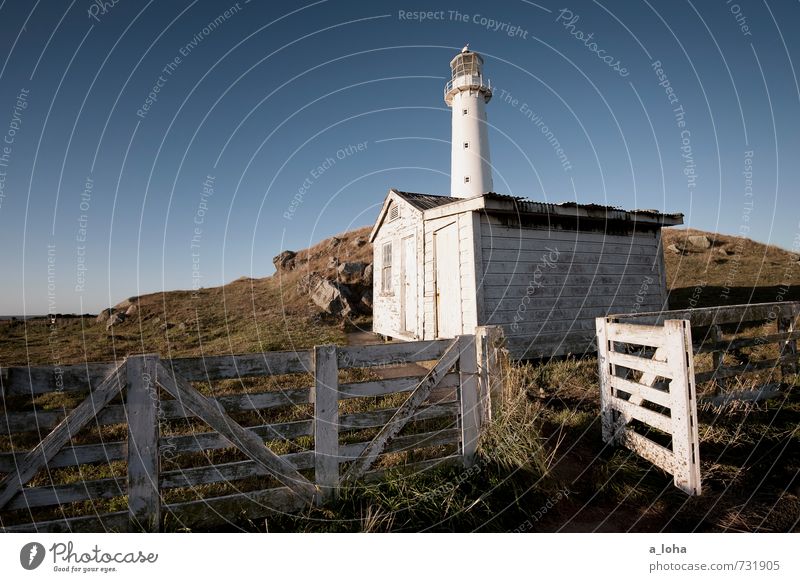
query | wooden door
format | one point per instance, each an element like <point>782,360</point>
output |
<point>448,281</point>
<point>409,266</point>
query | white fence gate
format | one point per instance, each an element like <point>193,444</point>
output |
<point>647,394</point>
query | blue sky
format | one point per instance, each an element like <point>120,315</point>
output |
<point>272,98</point>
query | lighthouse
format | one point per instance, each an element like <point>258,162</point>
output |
<point>467,94</point>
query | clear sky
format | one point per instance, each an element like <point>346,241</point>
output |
<point>166,145</point>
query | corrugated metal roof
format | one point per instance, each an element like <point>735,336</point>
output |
<point>426,201</point>
<point>524,205</point>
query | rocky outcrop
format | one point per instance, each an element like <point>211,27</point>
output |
<point>330,296</point>
<point>285,261</point>
<point>347,292</point>
<point>115,319</point>
<point>699,241</point>
<point>352,273</point>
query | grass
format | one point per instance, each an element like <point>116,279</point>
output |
<point>541,465</point>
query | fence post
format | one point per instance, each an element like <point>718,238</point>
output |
<point>604,373</point>
<point>468,397</point>
<point>786,324</point>
<point>325,396</point>
<point>487,341</point>
<point>683,398</point>
<point>142,404</point>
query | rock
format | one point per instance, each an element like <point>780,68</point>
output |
<point>333,262</point>
<point>166,325</point>
<point>350,273</point>
<point>122,305</point>
<point>305,282</point>
<point>700,241</point>
<point>132,310</point>
<point>368,274</point>
<point>105,314</point>
<point>284,261</point>
<point>334,242</point>
<point>675,249</point>
<point>330,296</point>
<point>359,242</point>
<point>114,319</point>
<point>724,252</point>
<point>366,302</point>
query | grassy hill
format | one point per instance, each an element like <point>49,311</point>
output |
<point>250,315</point>
<point>732,270</point>
<point>246,315</point>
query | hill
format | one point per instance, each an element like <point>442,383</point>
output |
<point>705,269</point>
<point>313,290</point>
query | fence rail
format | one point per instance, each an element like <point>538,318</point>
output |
<point>144,394</point>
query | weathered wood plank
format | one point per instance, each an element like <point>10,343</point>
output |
<point>71,456</point>
<point>403,415</point>
<point>144,501</point>
<point>630,411</point>
<point>745,368</point>
<point>607,414</point>
<point>646,365</point>
<point>241,365</point>
<point>326,421</point>
<point>109,522</point>
<point>660,456</point>
<point>377,418</point>
<point>470,415</point>
<point>35,380</point>
<point>643,335</point>
<point>244,440</point>
<point>684,430</point>
<point>765,392</point>
<point>61,435</point>
<point>14,422</point>
<point>745,342</point>
<point>30,497</point>
<point>373,356</point>
<point>223,473</point>
<point>230,509</point>
<point>389,386</point>
<point>708,316</point>
<point>641,391</point>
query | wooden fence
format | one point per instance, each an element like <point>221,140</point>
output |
<point>147,393</point>
<point>647,374</point>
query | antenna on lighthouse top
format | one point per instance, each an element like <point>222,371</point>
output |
<point>465,49</point>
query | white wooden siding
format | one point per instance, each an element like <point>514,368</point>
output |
<point>387,316</point>
<point>566,278</point>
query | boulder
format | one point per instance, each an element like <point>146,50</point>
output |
<point>365,304</point>
<point>333,262</point>
<point>699,241</point>
<point>115,318</point>
<point>105,314</point>
<point>133,308</point>
<point>724,252</point>
<point>284,261</point>
<point>334,242</point>
<point>359,242</point>
<point>675,249</point>
<point>351,273</point>
<point>330,296</point>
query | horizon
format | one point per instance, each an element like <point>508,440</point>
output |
<point>184,147</point>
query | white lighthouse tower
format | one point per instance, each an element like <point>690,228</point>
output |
<point>467,94</point>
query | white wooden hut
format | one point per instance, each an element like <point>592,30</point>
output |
<point>444,265</point>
